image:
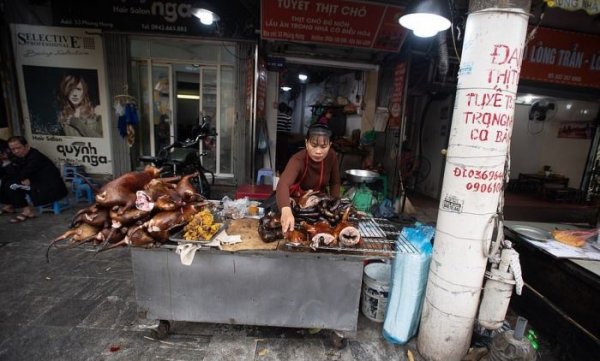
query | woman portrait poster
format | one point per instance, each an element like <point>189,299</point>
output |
<point>63,101</point>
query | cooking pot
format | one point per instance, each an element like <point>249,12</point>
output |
<point>362,176</point>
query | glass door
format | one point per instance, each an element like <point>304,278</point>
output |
<point>162,105</point>
<point>140,90</point>
<point>208,106</point>
<point>187,104</point>
<point>226,123</point>
<point>174,99</point>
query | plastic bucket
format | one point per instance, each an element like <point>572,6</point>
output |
<point>376,283</point>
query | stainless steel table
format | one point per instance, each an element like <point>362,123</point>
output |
<point>270,288</point>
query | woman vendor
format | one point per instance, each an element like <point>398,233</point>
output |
<point>315,167</point>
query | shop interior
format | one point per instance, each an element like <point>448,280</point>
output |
<point>310,91</point>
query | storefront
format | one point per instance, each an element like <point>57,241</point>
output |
<point>156,58</point>
<point>179,82</point>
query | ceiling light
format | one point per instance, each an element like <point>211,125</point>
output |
<point>303,77</point>
<point>206,17</point>
<point>426,18</point>
<point>188,96</point>
<point>286,88</point>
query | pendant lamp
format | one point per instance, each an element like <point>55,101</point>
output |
<point>426,18</point>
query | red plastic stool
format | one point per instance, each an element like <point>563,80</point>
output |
<point>256,192</point>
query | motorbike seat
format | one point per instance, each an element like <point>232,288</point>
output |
<point>147,158</point>
<point>181,155</point>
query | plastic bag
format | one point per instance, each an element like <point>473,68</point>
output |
<point>234,209</point>
<point>407,285</point>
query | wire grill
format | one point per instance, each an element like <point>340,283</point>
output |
<point>378,236</point>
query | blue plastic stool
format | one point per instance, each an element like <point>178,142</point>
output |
<point>264,172</point>
<point>55,207</point>
<point>83,191</point>
<point>70,172</point>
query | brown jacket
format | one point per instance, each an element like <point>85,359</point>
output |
<point>295,169</point>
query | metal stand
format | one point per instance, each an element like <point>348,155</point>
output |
<point>265,288</point>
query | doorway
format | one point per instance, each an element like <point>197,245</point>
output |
<point>175,97</point>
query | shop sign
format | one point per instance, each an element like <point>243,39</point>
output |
<point>356,24</point>
<point>63,94</point>
<point>275,63</point>
<point>395,105</point>
<point>591,7</point>
<point>562,57</point>
<point>168,17</point>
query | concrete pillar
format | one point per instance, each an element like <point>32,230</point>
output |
<point>475,169</point>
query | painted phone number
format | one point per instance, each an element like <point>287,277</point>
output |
<point>478,173</point>
<point>484,187</point>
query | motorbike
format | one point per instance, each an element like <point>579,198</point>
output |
<point>183,157</point>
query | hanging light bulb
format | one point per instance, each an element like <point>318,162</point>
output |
<point>303,77</point>
<point>206,17</point>
<point>426,18</point>
<point>286,88</point>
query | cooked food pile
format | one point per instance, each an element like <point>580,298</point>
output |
<point>320,220</point>
<point>573,237</point>
<point>137,209</point>
<point>201,227</point>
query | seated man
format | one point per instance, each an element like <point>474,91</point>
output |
<point>36,179</point>
<point>5,178</point>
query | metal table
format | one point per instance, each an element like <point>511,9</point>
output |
<point>269,288</point>
<point>265,288</point>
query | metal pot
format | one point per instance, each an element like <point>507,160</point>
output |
<point>362,176</point>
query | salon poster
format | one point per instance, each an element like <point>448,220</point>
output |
<point>63,94</point>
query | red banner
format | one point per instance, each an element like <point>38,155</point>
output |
<point>249,82</point>
<point>261,90</point>
<point>563,57</point>
<point>395,106</point>
<point>338,22</point>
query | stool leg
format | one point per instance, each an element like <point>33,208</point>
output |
<point>90,195</point>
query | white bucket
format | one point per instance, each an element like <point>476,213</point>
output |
<point>376,283</point>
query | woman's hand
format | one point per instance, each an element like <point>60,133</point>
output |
<point>287,219</point>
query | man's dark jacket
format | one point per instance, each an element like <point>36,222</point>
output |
<point>46,183</point>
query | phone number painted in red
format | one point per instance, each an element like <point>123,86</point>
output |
<point>478,174</point>
<point>485,187</point>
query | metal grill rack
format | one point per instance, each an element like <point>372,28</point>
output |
<point>378,236</point>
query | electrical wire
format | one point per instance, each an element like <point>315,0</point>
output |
<point>533,31</point>
<point>451,5</point>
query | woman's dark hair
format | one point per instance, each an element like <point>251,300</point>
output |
<point>318,129</point>
<point>282,107</point>
<point>18,138</point>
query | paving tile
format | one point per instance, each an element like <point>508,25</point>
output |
<point>290,350</point>
<point>113,313</point>
<point>227,348</point>
<point>51,343</point>
<point>375,351</point>
<point>69,312</point>
<point>125,346</point>
<point>179,347</point>
<point>368,330</point>
<point>24,310</point>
